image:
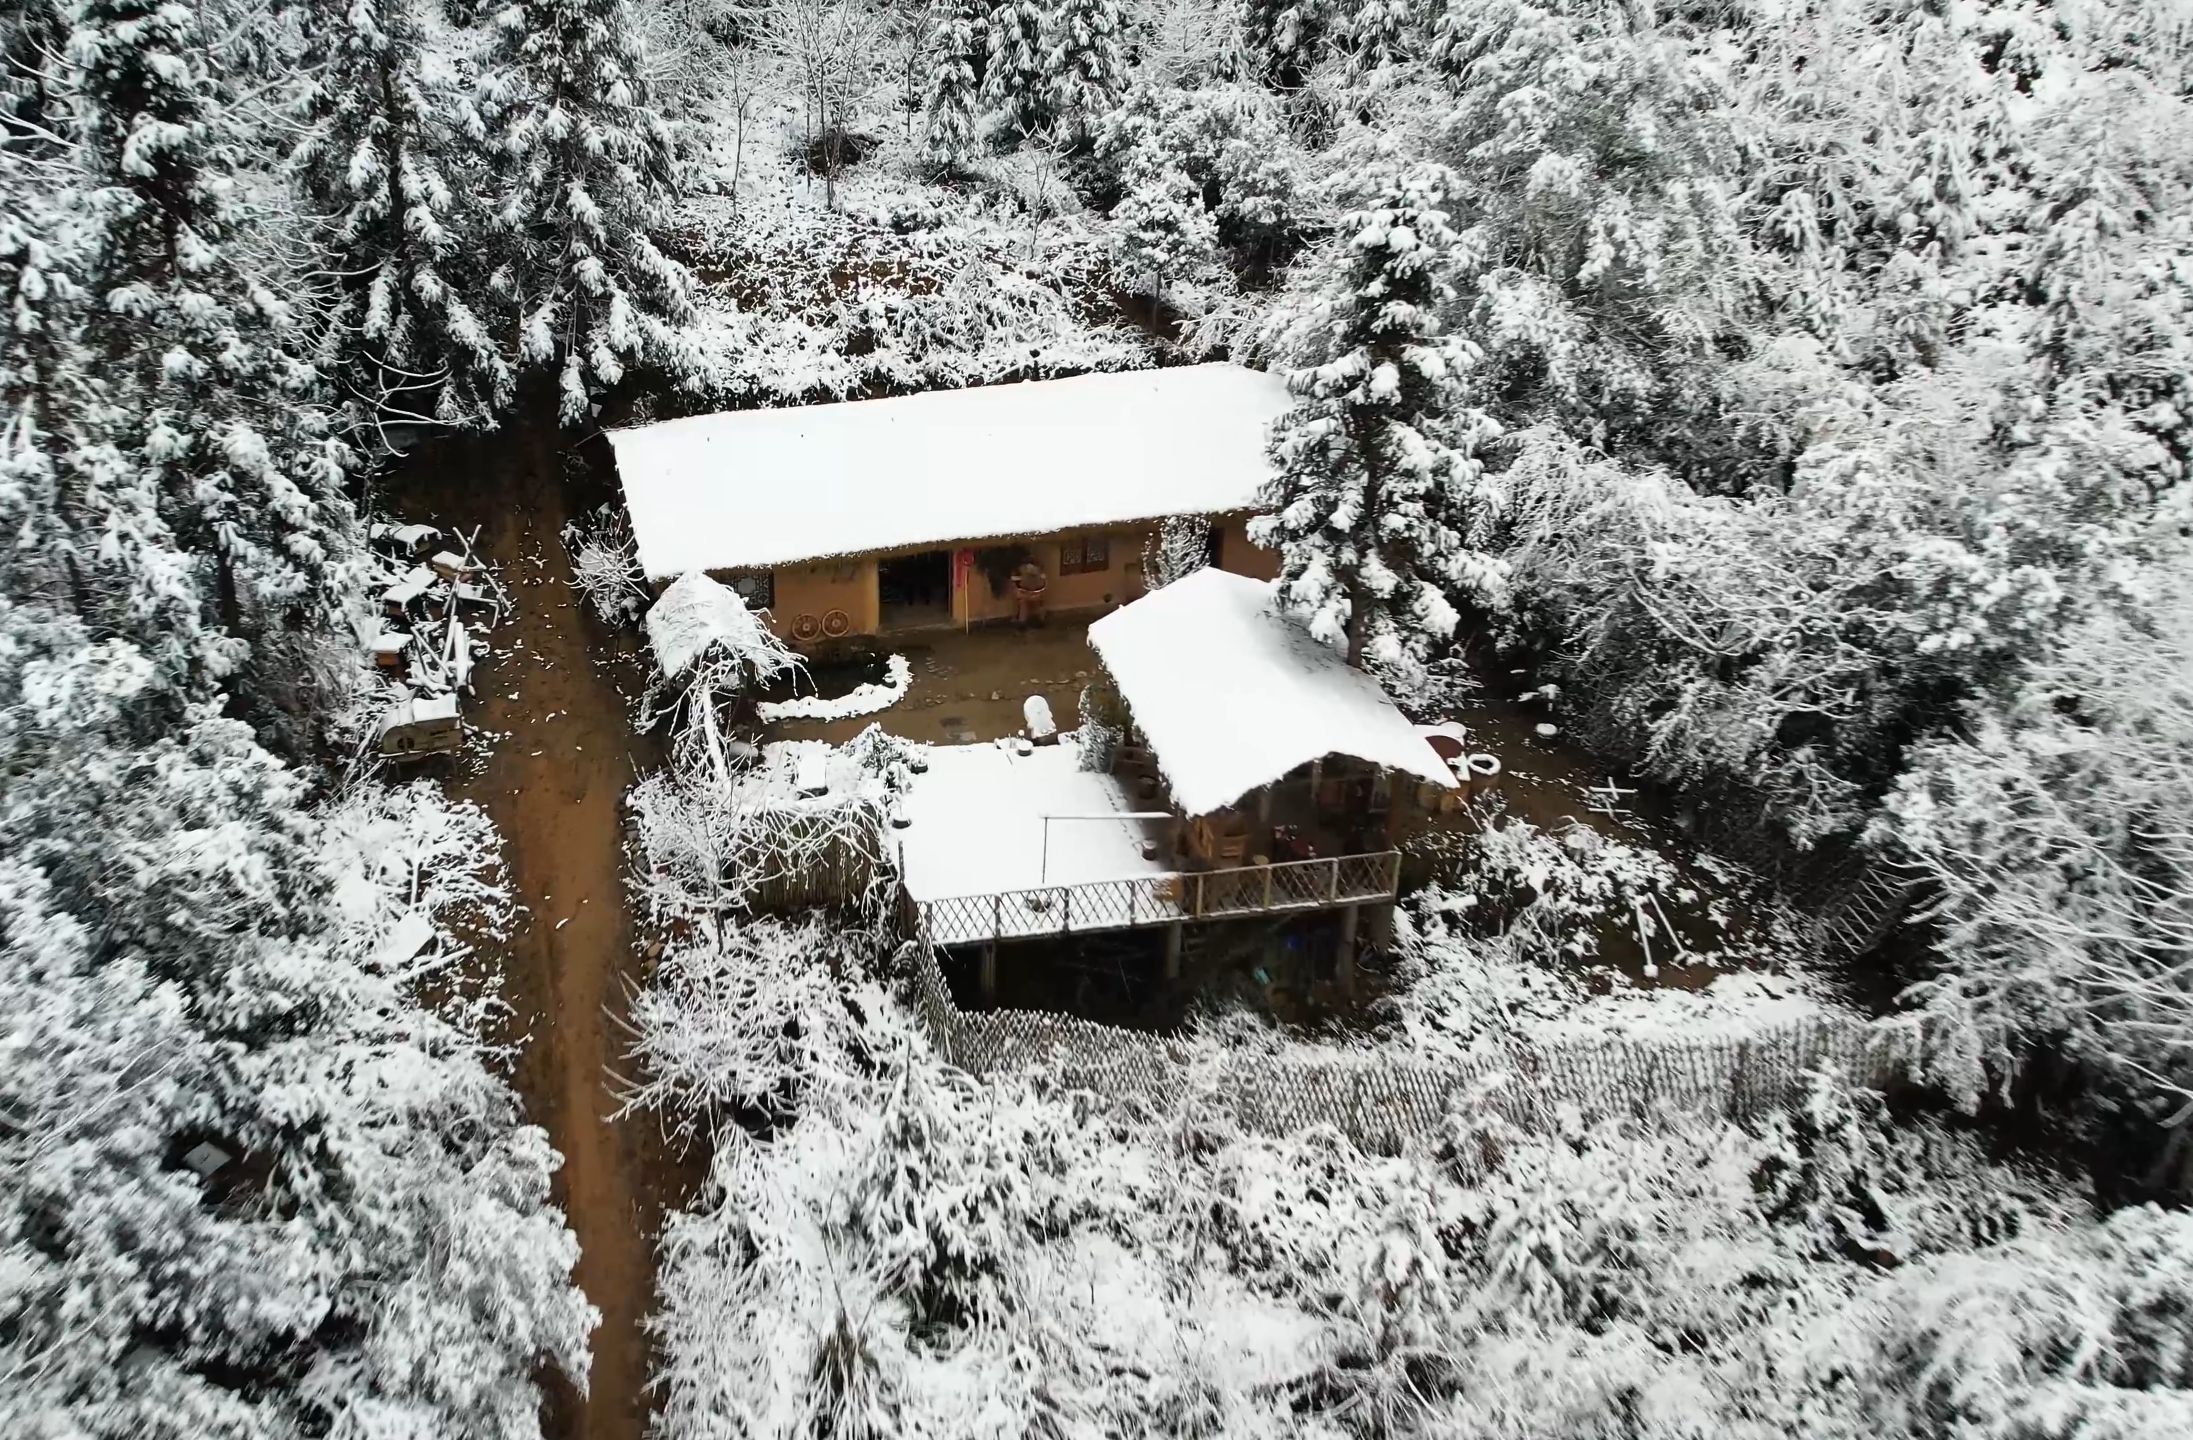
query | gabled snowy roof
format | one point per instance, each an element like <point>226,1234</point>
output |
<point>1232,696</point>
<point>757,488</point>
<point>697,613</point>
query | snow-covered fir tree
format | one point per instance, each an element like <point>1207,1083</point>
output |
<point>1378,496</point>
<point>1161,232</point>
<point>251,1183</point>
<point>205,445</point>
<point>1375,33</point>
<point>953,107</point>
<point>582,166</point>
<point>385,156</point>
<point>1285,39</point>
<point>1016,84</point>
<point>1087,61</point>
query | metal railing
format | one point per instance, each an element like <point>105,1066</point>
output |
<point>1161,899</point>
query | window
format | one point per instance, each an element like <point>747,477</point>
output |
<point>1084,554</point>
<point>758,591</point>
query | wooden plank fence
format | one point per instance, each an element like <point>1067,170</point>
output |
<point>1382,1101</point>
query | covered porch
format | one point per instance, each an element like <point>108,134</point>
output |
<point>1000,845</point>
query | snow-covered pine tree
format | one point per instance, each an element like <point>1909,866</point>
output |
<point>1375,33</point>
<point>1014,83</point>
<point>383,156</point>
<point>1822,1167</point>
<point>1178,547</point>
<point>1284,38</point>
<point>1087,61</point>
<point>207,449</point>
<point>1378,495</point>
<point>955,81</point>
<point>1160,230</point>
<point>586,165</point>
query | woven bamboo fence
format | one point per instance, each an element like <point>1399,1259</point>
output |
<point>1383,1101</point>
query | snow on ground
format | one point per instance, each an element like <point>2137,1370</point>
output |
<point>756,488</point>
<point>1233,696</point>
<point>860,700</point>
<point>977,826</point>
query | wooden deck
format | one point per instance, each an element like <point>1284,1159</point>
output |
<point>1162,899</point>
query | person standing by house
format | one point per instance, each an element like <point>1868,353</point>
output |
<point>1029,584</point>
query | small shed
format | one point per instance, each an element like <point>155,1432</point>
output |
<point>1268,743</point>
<point>697,616</point>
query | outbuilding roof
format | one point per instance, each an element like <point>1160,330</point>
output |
<point>751,489</point>
<point>696,615</point>
<point>1232,696</point>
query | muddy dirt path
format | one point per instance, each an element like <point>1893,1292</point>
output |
<point>561,758</point>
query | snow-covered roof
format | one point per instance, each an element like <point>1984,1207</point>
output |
<point>749,489</point>
<point>1233,696</point>
<point>696,614</point>
<point>979,828</point>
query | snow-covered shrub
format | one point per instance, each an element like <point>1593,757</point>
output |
<point>919,1254</point>
<point>1561,892</point>
<point>1180,545</point>
<point>1825,1167</point>
<point>2053,832</point>
<point>712,655</point>
<point>736,1021</point>
<point>605,565</point>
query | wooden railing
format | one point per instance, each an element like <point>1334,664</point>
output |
<point>1161,899</point>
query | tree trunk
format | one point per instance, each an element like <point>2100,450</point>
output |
<point>1359,595</point>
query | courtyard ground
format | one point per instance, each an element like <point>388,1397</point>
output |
<point>968,685</point>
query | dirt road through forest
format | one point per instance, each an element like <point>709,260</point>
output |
<point>561,759</point>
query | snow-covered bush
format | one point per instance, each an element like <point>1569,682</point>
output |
<point>1180,545</point>
<point>605,565</point>
<point>736,1022</point>
<point>2054,834</point>
<point>918,1254</point>
<point>370,1233</point>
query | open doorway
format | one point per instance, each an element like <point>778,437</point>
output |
<point>915,591</point>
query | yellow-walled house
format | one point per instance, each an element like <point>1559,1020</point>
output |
<point>881,516</point>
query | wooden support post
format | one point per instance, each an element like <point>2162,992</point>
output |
<point>1267,887</point>
<point>1382,926</point>
<point>1174,933</point>
<point>1345,967</point>
<point>990,973</point>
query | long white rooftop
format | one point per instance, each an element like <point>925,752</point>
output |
<point>1232,695</point>
<point>750,489</point>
